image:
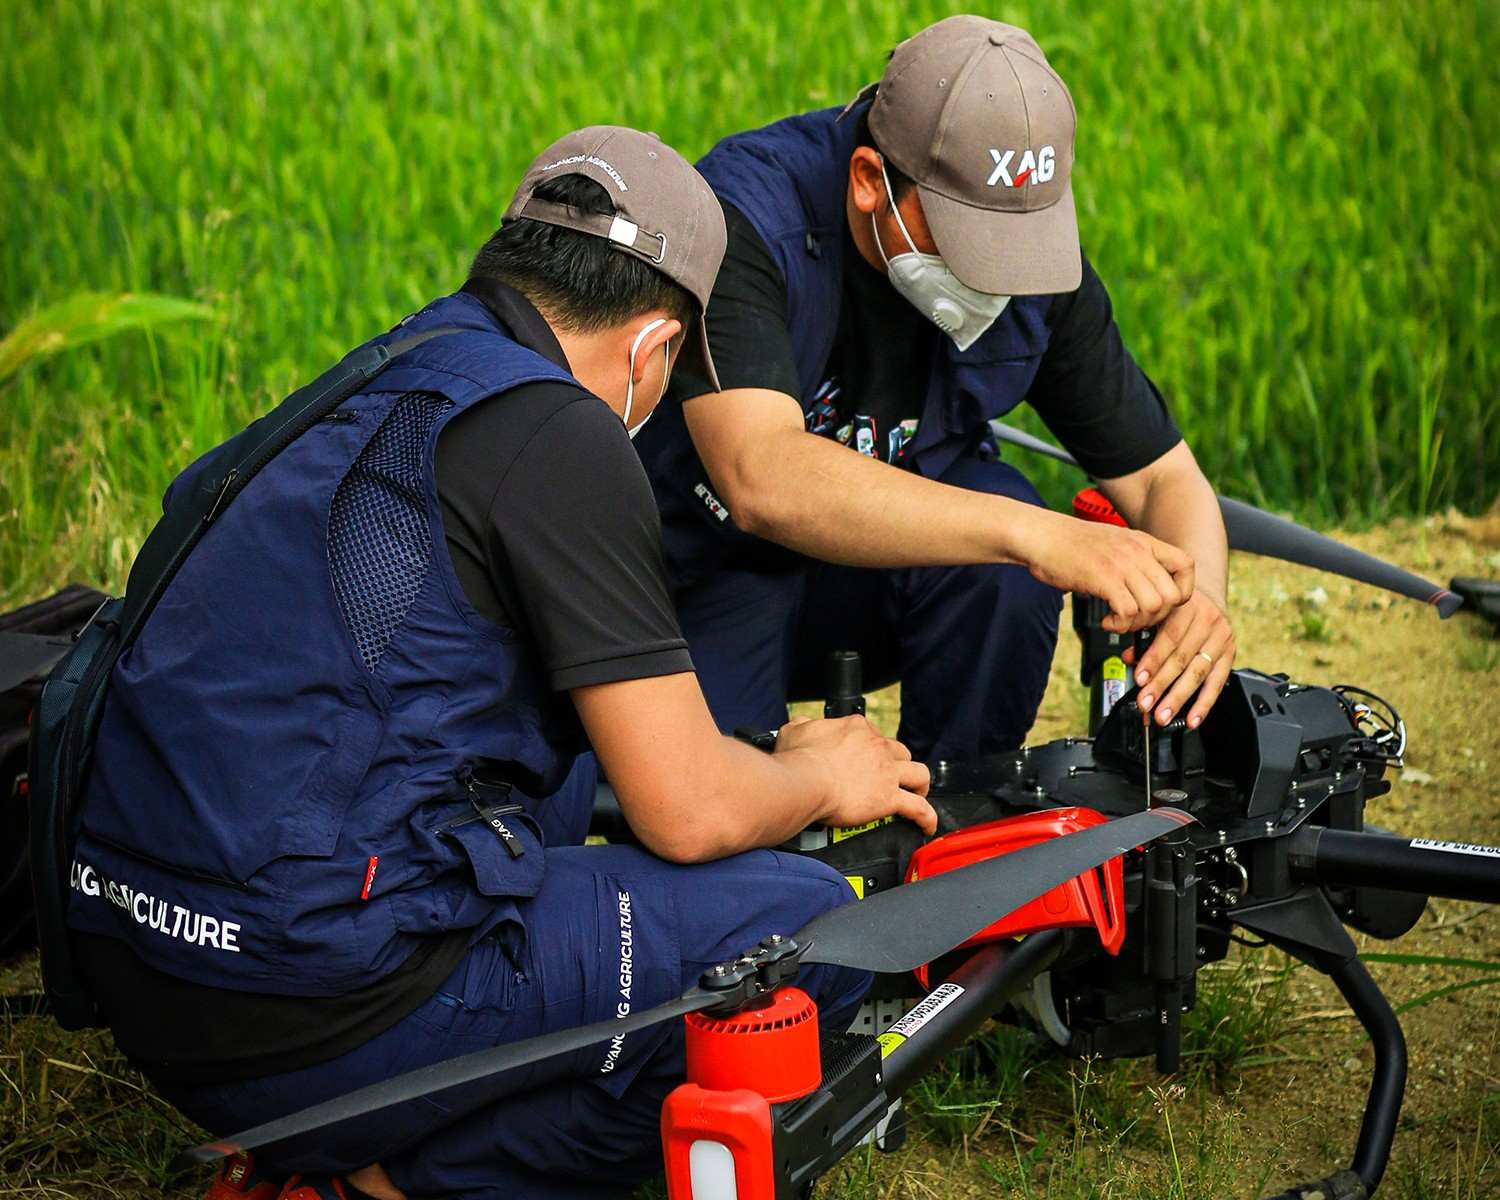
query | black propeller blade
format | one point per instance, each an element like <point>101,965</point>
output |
<point>903,928</point>
<point>486,1067</point>
<point>1257,532</point>
<point>910,926</point>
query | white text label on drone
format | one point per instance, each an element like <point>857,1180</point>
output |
<point>1455,847</point>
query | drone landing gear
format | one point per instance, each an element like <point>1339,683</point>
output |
<point>1306,927</point>
<point>1388,1085</point>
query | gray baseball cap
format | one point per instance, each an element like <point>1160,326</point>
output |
<point>970,110</point>
<point>665,213</point>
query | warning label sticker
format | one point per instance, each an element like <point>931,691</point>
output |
<point>1456,847</point>
<point>924,1011</point>
<point>839,832</point>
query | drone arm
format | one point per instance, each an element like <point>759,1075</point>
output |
<point>988,979</point>
<point>1338,858</point>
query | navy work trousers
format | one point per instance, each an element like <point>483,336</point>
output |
<point>612,929</point>
<point>971,645</point>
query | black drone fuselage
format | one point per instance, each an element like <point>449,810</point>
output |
<point>1278,777</point>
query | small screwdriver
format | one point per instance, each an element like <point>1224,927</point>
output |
<point>1146,732</point>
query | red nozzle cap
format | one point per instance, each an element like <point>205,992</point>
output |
<point>1093,505</point>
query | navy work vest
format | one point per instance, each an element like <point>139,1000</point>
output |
<point>789,179</point>
<point>284,795</point>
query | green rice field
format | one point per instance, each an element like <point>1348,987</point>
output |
<point>1295,206</point>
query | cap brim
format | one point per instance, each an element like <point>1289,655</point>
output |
<point>1007,254</point>
<point>708,358</point>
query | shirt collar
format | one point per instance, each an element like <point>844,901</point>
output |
<point>526,326</point>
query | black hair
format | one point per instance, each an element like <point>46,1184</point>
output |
<point>901,183</point>
<point>583,282</point>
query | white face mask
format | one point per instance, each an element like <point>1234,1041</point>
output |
<point>933,290</point>
<point>630,376</point>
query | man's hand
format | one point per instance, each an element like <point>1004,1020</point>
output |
<point>1142,579</point>
<point>869,776</point>
<point>1193,651</point>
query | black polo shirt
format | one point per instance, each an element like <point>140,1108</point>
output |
<point>553,531</point>
<point>1089,390</point>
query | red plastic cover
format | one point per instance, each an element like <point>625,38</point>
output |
<point>1094,899</point>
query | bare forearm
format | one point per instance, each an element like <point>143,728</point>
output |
<point>692,795</point>
<point>744,799</point>
<point>826,502</point>
<point>1182,509</point>
<point>1172,500</point>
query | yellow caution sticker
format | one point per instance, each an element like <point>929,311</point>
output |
<point>857,882</point>
<point>889,1041</point>
<point>838,833</point>
<point>1113,676</point>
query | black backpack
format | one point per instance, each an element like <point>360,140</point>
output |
<point>32,639</point>
<point>72,698</point>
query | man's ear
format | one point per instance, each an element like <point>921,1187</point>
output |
<point>866,182</point>
<point>652,342</point>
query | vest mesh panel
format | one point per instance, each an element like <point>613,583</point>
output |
<point>379,539</point>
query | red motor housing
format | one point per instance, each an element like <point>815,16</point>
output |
<point>716,1128</point>
<point>1096,898</point>
<point>771,1050</point>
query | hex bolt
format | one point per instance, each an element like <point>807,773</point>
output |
<point>1270,828</point>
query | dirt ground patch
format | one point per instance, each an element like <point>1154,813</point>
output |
<point>76,1122</point>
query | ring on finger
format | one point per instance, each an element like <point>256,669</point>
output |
<point>1208,658</point>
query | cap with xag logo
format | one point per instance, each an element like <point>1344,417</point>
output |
<point>665,213</point>
<point>971,111</point>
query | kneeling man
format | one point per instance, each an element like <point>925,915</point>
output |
<point>333,829</point>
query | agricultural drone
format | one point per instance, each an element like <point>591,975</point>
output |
<point>1077,885</point>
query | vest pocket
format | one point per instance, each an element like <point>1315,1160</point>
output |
<point>508,863</point>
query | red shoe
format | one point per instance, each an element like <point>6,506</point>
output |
<point>239,1180</point>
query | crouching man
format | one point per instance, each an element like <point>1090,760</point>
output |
<point>333,830</point>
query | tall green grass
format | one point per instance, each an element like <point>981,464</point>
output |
<point>1295,207</point>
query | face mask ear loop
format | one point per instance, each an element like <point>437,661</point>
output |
<point>630,371</point>
<point>895,208</point>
